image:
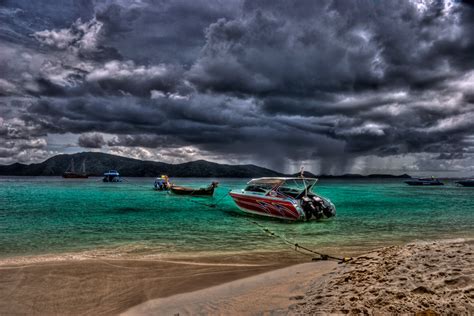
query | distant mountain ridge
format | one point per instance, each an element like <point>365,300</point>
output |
<point>98,163</point>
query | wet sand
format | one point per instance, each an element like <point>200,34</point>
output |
<point>270,293</point>
<point>78,286</point>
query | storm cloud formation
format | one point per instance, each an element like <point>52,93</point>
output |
<point>338,86</point>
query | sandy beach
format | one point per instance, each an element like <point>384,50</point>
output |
<point>429,277</point>
<point>270,293</point>
<point>432,278</point>
<point>76,285</point>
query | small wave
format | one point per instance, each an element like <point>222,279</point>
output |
<point>142,252</point>
<point>214,263</point>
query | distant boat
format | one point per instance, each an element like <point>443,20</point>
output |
<point>112,176</point>
<point>424,181</point>
<point>162,183</point>
<point>466,182</point>
<point>208,191</point>
<point>70,173</point>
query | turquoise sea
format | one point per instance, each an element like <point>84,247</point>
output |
<point>50,215</point>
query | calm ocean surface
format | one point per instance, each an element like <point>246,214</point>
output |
<point>49,215</point>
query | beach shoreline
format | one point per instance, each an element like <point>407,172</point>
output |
<point>77,284</point>
<point>422,278</point>
<point>277,283</point>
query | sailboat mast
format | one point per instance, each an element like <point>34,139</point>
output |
<point>72,165</point>
<point>83,168</point>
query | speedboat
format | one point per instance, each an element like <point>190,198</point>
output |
<point>466,182</point>
<point>424,181</point>
<point>112,176</point>
<point>283,198</point>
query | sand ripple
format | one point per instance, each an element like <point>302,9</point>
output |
<point>428,278</point>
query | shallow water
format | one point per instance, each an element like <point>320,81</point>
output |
<point>50,215</point>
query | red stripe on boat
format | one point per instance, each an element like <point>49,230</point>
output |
<point>266,206</point>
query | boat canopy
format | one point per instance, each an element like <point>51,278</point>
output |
<point>111,173</point>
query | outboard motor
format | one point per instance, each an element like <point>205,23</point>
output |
<point>307,207</point>
<point>328,209</point>
<point>311,209</point>
<point>317,208</point>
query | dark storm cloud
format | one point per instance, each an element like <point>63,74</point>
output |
<point>162,31</point>
<point>348,61</point>
<point>268,81</point>
<point>279,48</point>
<point>91,140</point>
<point>149,141</point>
<point>21,18</point>
<point>81,38</point>
<point>127,77</point>
<point>19,139</point>
<point>78,115</point>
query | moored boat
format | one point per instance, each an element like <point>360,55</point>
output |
<point>207,191</point>
<point>283,198</point>
<point>466,182</point>
<point>70,173</point>
<point>424,181</point>
<point>162,183</point>
<point>112,176</point>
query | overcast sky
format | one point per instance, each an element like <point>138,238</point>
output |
<point>337,86</point>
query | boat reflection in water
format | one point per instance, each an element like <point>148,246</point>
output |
<point>284,198</point>
<point>466,182</point>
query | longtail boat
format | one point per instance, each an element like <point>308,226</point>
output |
<point>207,191</point>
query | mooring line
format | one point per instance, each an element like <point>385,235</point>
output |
<point>297,246</point>
<point>133,184</point>
<point>213,205</point>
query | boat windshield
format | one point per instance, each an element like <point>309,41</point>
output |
<point>263,185</point>
<point>288,186</point>
<point>294,187</point>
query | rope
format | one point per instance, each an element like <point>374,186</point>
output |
<point>297,246</point>
<point>219,200</point>
<point>133,184</point>
<point>213,205</point>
